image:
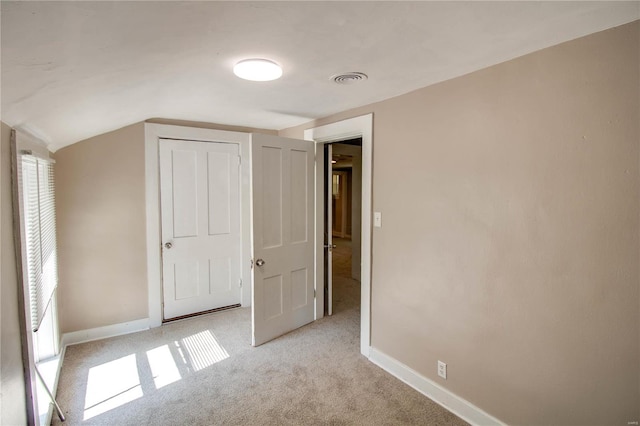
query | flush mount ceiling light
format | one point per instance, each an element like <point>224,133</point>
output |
<point>258,70</point>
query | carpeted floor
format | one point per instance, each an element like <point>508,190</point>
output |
<point>203,371</point>
<point>342,258</point>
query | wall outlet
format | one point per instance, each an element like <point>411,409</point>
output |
<point>442,370</point>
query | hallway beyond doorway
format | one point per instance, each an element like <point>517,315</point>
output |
<point>346,290</point>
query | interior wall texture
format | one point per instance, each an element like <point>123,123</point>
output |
<point>510,241</point>
<point>100,207</point>
<point>12,391</point>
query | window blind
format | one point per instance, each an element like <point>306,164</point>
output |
<point>40,234</point>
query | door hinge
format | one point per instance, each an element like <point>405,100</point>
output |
<point>239,160</point>
<point>314,293</point>
<point>240,283</point>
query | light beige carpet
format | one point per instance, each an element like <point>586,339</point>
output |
<point>203,371</point>
<point>342,258</point>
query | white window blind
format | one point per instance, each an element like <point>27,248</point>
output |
<point>40,234</point>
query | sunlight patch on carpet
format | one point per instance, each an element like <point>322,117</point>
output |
<point>203,350</point>
<point>111,385</point>
<point>163,367</point>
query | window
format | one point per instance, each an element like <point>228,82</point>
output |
<point>35,201</point>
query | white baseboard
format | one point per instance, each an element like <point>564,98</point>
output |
<point>98,333</point>
<point>452,402</point>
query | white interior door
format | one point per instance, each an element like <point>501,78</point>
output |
<point>201,241</point>
<point>329,231</point>
<point>283,235</point>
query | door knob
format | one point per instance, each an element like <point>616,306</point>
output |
<point>260,262</point>
<point>168,245</point>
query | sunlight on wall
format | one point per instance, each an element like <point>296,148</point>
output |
<point>163,367</point>
<point>203,350</point>
<point>111,385</point>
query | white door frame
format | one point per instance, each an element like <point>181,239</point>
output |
<point>153,133</point>
<point>362,127</point>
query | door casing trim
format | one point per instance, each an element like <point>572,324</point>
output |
<point>361,127</point>
<point>152,134</point>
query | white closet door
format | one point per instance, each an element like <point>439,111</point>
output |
<point>201,241</point>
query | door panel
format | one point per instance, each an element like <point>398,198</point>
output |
<point>299,288</point>
<point>283,208</point>
<point>200,208</point>
<point>185,199</point>
<point>299,197</point>
<point>187,274</point>
<point>271,196</point>
<point>220,194</point>
<point>273,297</point>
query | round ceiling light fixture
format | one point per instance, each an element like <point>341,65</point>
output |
<point>258,70</point>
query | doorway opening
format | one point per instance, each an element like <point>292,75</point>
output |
<point>357,127</point>
<point>342,225</point>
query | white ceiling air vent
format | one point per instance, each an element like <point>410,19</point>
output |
<point>349,77</point>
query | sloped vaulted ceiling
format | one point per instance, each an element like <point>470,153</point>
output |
<point>72,70</point>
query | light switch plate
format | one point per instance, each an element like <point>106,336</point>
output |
<point>377,219</point>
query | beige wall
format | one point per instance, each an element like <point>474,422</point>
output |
<point>100,208</point>
<point>510,242</point>
<point>13,411</point>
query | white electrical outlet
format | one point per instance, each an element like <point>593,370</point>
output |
<point>442,370</point>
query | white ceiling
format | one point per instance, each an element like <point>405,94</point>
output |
<point>72,70</point>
